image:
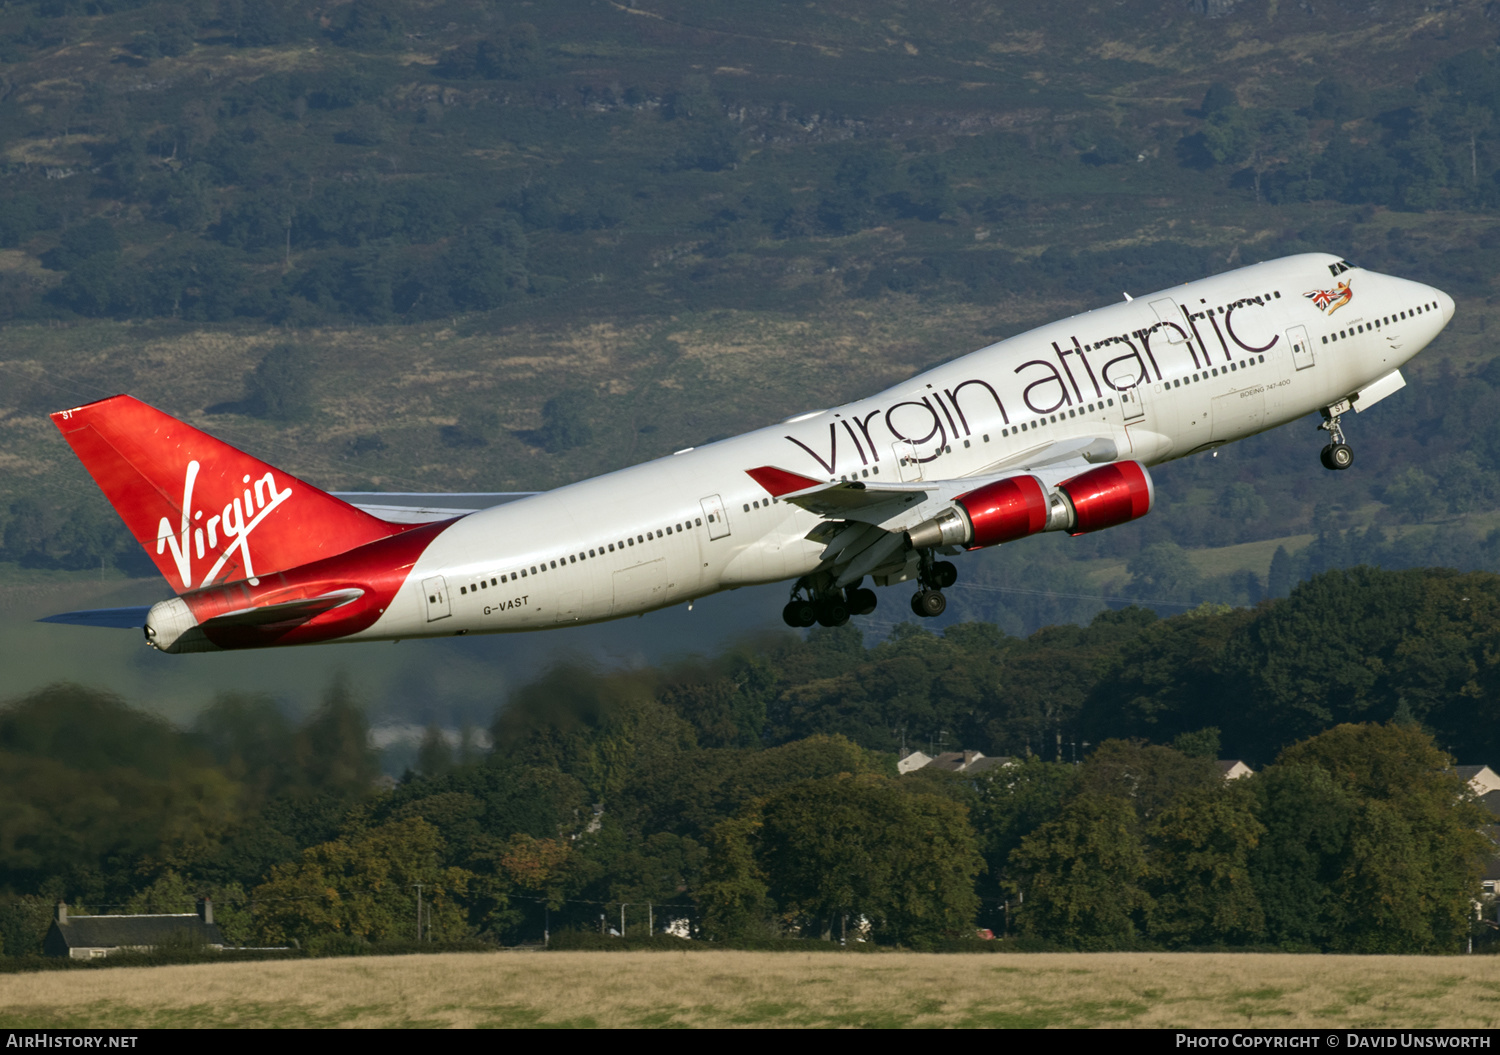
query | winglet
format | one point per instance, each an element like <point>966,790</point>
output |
<point>778,482</point>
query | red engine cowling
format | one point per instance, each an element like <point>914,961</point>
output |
<point>1005,510</point>
<point>1109,495</point>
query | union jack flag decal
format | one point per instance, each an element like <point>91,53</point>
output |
<point>1329,301</point>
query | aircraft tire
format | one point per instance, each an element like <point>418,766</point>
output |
<point>929,603</point>
<point>799,614</point>
<point>1323,456</point>
<point>944,574</point>
<point>1340,456</point>
<point>862,602</point>
<point>832,612</point>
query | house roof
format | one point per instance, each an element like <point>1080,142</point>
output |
<point>979,765</point>
<point>1482,779</point>
<point>1233,768</point>
<point>113,932</point>
<point>912,760</point>
<point>1491,802</point>
<point>953,761</point>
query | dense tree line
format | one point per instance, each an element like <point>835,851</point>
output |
<point>755,793</point>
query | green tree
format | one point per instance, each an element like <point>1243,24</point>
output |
<point>362,886</point>
<point>1198,873</point>
<point>1081,875</point>
<point>1300,857</point>
<point>1200,743</point>
<point>332,750</point>
<point>836,849</point>
<point>733,897</point>
<point>278,387</point>
<point>1162,571</point>
<point>1410,873</point>
<point>567,422</point>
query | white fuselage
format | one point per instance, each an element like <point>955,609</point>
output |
<point>1161,376</point>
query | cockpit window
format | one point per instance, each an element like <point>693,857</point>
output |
<point>1340,267</point>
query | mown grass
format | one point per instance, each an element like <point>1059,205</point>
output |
<point>755,989</point>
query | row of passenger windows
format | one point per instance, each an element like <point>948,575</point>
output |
<point>1027,426</point>
<point>574,558</point>
<point>1215,371</point>
<point>1223,309</point>
<point>1420,309</point>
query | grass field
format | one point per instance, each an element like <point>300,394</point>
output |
<point>582,989</point>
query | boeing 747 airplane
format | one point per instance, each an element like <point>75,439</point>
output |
<point>1053,430</point>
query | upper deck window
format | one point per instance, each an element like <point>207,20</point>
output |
<point>1340,268</point>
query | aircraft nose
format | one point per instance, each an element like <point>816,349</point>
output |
<point>1445,305</point>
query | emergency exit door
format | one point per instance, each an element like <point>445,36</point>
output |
<point>1302,350</point>
<point>435,596</point>
<point>713,516</point>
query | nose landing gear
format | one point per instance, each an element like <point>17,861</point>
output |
<point>1337,455</point>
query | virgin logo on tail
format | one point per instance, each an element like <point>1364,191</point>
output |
<point>199,539</point>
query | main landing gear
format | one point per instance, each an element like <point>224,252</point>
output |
<point>935,576</point>
<point>816,598</point>
<point>826,604</point>
<point>1337,455</point>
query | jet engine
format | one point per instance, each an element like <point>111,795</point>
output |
<point>1018,506</point>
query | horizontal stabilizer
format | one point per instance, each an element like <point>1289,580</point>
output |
<point>411,507</point>
<point>117,618</point>
<point>298,611</point>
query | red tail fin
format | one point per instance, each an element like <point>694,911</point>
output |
<point>205,512</point>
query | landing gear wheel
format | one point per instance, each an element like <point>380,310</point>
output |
<point>1337,454</point>
<point>944,574</point>
<point>832,611</point>
<point>862,602</point>
<point>929,603</point>
<point>799,614</point>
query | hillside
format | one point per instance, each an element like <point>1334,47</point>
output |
<point>487,245</point>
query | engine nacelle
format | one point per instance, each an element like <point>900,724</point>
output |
<point>1018,506</point>
<point>998,512</point>
<point>1109,495</point>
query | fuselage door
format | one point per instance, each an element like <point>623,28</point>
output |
<point>713,516</point>
<point>1170,318</point>
<point>435,593</point>
<point>907,463</point>
<point>1302,350</point>
<point>1133,403</point>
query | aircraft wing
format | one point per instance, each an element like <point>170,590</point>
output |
<point>1051,462</point>
<point>862,530</point>
<point>410,507</point>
